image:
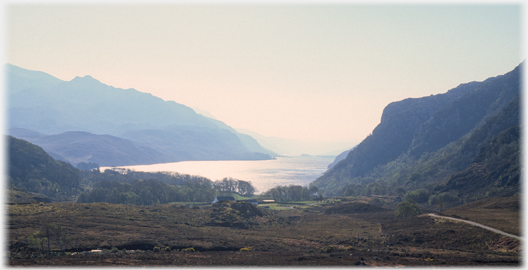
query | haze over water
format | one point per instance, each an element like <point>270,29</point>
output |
<point>263,174</point>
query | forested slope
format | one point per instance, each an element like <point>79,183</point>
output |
<point>33,170</point>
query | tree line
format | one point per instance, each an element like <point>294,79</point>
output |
<point>142,188</point>
<point>146,192</point>
<point>230,185</point>
<point>293,193</point>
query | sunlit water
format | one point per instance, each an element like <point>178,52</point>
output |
<point>263,174</point>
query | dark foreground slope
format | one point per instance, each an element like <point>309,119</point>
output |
<point>420,142</point>
<point>323,234</point>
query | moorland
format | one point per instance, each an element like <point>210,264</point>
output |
<point>339,231</point>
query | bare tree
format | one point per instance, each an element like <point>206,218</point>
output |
<point>55,233</point>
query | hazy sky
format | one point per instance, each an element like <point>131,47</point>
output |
<point>321,72</point>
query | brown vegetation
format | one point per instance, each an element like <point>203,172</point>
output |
<point>502,213</point>
<point>237,234</point>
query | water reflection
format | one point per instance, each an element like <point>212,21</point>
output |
<point>263,174</point>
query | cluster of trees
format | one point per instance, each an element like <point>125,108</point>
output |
<point>146,192</point>
<point>143,188</point>
<point>49,234</point>
<point>407,208</point>
<point>89,178</point>
<point>423,195</point>
<point>293,193</point>
<point>378,188</point>
<point>444,197</point>
<point>420,195</point>
<point>230,185</point>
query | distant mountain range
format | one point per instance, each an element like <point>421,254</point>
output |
<point>439,143</point>
<point>84,120</point>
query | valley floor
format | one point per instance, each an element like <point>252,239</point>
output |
<point>340,232</point>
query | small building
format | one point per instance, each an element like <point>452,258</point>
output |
<point>268,201</point>
<point>223,198</point>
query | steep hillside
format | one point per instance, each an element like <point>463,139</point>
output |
<point>495,171</point>
<point>40,102</point>
<point>339,157</point>
<point>33,170</point>
<point>394,135</point>
<point>420,142</point>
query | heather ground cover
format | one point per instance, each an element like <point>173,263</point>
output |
<point>337,232</point>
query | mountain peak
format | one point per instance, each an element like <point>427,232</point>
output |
<point>85,79</point>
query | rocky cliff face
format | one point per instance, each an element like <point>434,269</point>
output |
<point>414,127</point>
<point>462,114</point>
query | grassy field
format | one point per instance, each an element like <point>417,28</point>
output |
<point>338,232</point>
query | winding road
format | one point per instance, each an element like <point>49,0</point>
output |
<point>478,225</point>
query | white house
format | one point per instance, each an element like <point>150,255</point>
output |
<point>223,198</point>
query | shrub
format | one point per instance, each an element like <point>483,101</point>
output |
<point>246,249</point>
<point>191,249</point>
<point>167,249</point>
<point>156,249</point>
<point>114,250</point>
<point>37,241</point>
<point>419,195</point>
<point>407,208</point>
<point>433,200</point>
<point>448,197</point>
<point>376,201</point>
<point>444,197</point>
